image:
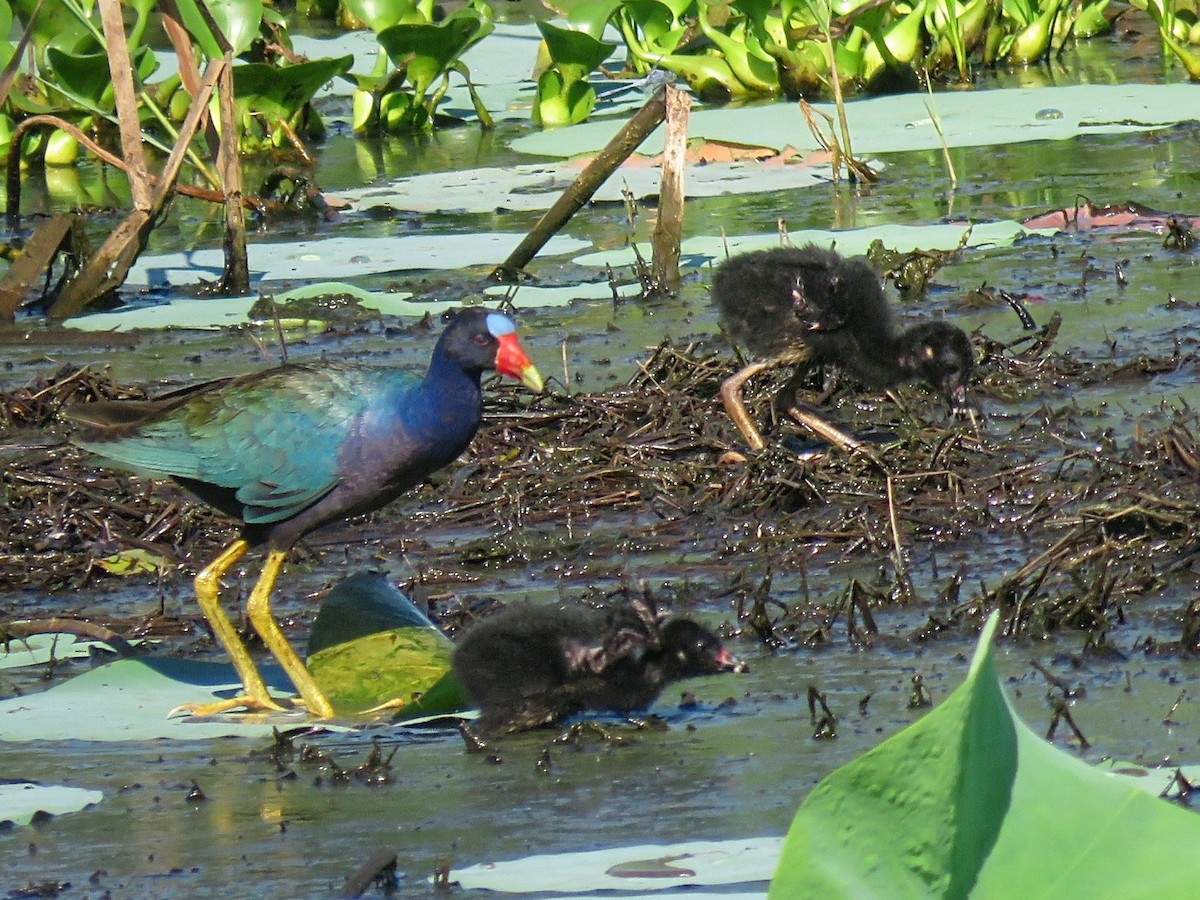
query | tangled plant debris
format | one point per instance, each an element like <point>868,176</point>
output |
<point>1085,526</point>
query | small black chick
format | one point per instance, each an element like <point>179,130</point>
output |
<point>809,305</point>
<point>531,665</point>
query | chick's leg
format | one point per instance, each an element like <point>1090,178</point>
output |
<point>732,389</point>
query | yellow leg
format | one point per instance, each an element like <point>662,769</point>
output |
<point>208,588</point>
<point>258,608</point>
<point>731,395</point>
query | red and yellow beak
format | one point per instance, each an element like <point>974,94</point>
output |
<point>511,360</point>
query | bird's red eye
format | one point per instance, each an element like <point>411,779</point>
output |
<point>482,340</point>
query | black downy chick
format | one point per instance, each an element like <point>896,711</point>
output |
<point>531,665</point>
<point>812,306</point>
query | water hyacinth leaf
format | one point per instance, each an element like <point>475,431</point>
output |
<point>746,58</point>
<point>380,14</point>
<point>1091,20</point>
<point>238,21</point>
<point>427,51</point>
<point>1032,43</point>
<point>85,79</point>
<point>557,103</point>
<point>592,17</point>
<point>965,802</point>
<point>62,149</point>
<point>282,91</point>
<point>576,54</point>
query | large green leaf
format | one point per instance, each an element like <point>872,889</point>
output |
<point>970,802</point>
<point>370,645</point>
<point>380,14</point>
<point>238,20</point>
<point>428,51</point>
<point>86,80</point>
<point>281,91</point>
<point>576,54</point>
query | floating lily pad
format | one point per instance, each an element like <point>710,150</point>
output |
<point>327,258</point>
<point>648,867</point>
<point>135,696</point>
<point>703,250</point>
<point>532,295</point>
<point>902,121</point>
<point>21,801</point>
<point>39,649</point>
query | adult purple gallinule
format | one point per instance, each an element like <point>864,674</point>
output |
<point>530,665</point>
<point>298,446</point>
<point>807,305</point>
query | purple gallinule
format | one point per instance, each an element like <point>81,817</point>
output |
<point>811,306</point>
<point>531,665</point>
<point>298,446</point>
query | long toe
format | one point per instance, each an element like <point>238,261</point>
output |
<point>244,704</point>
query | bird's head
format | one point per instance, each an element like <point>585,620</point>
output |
<point>482,339</point>
<point>941,354</point>
<point>694,650</point>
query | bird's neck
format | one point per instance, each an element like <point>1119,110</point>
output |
<point>448,403</point>
<point>884,363</point>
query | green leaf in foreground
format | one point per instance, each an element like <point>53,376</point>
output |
<point>970,802</point>
<point>370,646</point>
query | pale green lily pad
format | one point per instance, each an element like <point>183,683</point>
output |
<point>21,801</point>
<point>135,696</point>
<point>534,187</point>
<point>224,312</point>
<point>532,295</point>
<point>648,867</point>
<point>338,257</point>
<point>705,249</point>
<point>902,121</point>
<point>39,649</point>
<point>970,802</point>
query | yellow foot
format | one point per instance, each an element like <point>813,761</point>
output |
<point>241,704</point>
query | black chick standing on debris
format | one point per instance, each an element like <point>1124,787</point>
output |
<point>807,305</point>
<point>530,665</point>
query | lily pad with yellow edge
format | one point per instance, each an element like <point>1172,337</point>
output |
<point>371,647</point>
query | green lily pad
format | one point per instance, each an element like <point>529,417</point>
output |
<point>970,802</point>
<point>370,646</point>
<point>20,801</point>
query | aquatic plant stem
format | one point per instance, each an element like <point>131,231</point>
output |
<point>580,191</point>
<point>668,226</point>
<point>897,546</point>
<point>931,106</point>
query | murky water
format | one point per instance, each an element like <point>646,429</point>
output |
<point>714,773</point>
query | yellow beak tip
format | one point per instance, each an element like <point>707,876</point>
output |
<point>532,379</point>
